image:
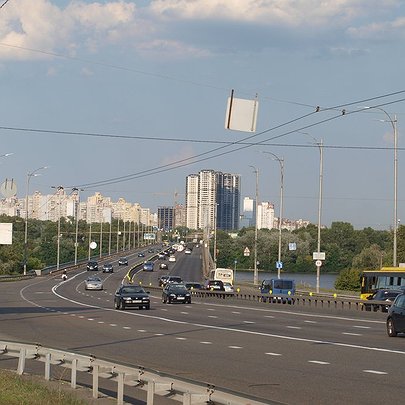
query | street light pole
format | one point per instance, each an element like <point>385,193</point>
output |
<point>77,220</point>
<point>60,189</point>
<point>318,268</point>
<point>281,162</point>
<point>255,271</point>
<point>29,175</point>
<point>393,122</point>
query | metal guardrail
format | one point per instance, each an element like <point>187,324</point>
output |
<point>155,383</point>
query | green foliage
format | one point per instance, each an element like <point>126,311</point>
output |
<point>349,280</point>
<point>369,258</point>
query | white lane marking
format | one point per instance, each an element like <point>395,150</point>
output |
<point>310,321</point>
<point>100,322</point>
<point>273,354</point>
<point>159,334</point>
<point>180,338</point>
<point>361,327</point>
<point>375,372</point>
<point>236,312</point>
<point>351,334</point>
<point>81,316</point>
<point>212,316</point>
<point>90,319</point>
<point>210,309</point>
<point>269,316</point>
<point>164,309</point>
<point>141,330</point>
<point>113,324</point>
<point>184,313</point>
<point>234,347</point>
<point>341,318</point>
<point>227,329</point>
<point>248,322</point>
<point>206,343</point>
<point>322,363</point>
<point>294,327</point>
<point>126,327</point>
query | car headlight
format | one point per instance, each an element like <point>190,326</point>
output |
<point>127,298</point>
<point>172,295</point>
<point>187,295</point>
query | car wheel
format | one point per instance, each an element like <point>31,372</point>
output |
<point>117,304</point>
<point>164,300</point>
<point>391,328</point>
<point>122,306</point>
<point>147,306</point>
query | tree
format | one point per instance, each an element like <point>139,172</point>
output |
<point>369,258</point>
<point>348,280</point>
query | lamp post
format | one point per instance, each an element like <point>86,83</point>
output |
<point>109,237</point>
<point>281,163</point>
<point>77,220</point>
<point>393,122</point>
<point>118,235</point>
<point>29,176</point>
<point>101,234</point>
<point>255,271</point>
<point>60,189</point>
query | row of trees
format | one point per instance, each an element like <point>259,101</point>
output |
<point>43,238</point>
<point>345,248</point>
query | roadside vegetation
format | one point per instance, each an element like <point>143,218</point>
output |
<point>348,251</point>
<point>16,390</point>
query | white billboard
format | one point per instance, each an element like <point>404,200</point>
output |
<point>149,236</point>
<point>241,114</point>
<point>6,234</point>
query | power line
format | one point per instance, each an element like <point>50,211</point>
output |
<point>4,4</point>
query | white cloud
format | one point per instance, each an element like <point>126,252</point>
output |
<point>380,30</point>
<point>170,49</point>
<point>41,25</point>
<point>283,12</point>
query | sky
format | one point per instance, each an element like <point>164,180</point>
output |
<point>127,98</point>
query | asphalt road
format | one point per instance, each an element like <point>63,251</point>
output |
<point>276,352</point>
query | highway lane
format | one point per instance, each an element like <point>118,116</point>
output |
<point>282,353</point>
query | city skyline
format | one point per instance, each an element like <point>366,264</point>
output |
<point>126,98</point>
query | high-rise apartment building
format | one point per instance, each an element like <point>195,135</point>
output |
<point>166,218</point>
<point>212,199</point>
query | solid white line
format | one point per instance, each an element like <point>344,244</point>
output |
<point>323,363</point>
<point>375,372</point>
<point>274,354</point>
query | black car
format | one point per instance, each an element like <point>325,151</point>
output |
<point>214,285</point>
<point>396,316</point>
<point>382,295</point>
<point>131,296</point>
<point>92,265</point>
<point>176,293</point>
<point>108,268</point>
<point>122,261</point>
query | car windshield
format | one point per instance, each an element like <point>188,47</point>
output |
<point>132,290</point>
<point>178,289</point>
<point>93,279</point>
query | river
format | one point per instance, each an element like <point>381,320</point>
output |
<point>306,280</point>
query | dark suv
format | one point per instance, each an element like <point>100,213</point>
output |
<point>396,316</point>
<point>92,265</point>
<point>381,295</point>
<point>176,293</point>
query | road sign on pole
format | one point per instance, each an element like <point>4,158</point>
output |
<point>246,252</point>
<point>279,265</point>
<point>318,263</point>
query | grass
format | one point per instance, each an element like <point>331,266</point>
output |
<point>16,390</point>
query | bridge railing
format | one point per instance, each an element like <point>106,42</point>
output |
<point>155,383</point>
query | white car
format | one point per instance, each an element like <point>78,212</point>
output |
<point>228,287</point>
<point>172,258</point>
<point>93,283</point>
<point>187,251</point>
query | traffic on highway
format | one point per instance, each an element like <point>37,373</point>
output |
<point>277,352</point>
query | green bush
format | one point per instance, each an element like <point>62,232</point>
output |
<point>348,279</point>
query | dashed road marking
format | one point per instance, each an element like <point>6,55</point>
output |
<point>361,327</point>
<point>126,327</point>
<point>269,316</point>
<point>351,334</point>
<point>234,347</point>
<point>248,322</point>
<point>322,363</point>
<point>184,313</point>
<point>273,354</point>
<point>180,338</point>
<point>212,316</point>
<point>141,330</point>
<point>206,343</point>
<point>236,312</point>
<point>113,324</point>
<point>310,322</point>
<point>375,372</point>
<point>294,327</point>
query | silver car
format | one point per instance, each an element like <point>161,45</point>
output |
<point>93,283</point>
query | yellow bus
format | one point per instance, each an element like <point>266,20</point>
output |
<point>386,277</point>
